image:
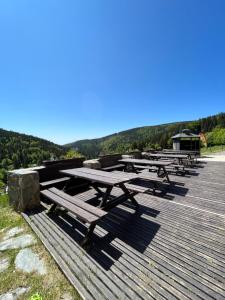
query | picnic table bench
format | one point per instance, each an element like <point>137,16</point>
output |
<point>50,176</point>
<point>50,183</point>
<point>82,210</point>
<point>178,161</point>
<point>191,154</point>
<point>133,164</point>
<point>98,180</point>
<point>155,181</point>
<point>157,156</point>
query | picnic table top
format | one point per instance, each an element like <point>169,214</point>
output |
<point>180,151</point>
<point>167,155</point>
<point>146,162</point>
<point>100,176</point>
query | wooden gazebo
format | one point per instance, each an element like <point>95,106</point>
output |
<point>186,140</point>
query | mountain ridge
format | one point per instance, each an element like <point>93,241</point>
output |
<point>144,136</point>
<point>23,150</point>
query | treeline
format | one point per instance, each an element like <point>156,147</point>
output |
<point>21,150</point>
<point>145,137</point>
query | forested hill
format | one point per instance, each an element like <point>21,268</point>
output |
<point>145,137</point>
<point>21,150</point>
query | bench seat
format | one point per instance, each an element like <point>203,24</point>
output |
<point>141,167</point>
<point>136,188</point>
<point>145,175</point>
<point>49,183</point>
<point>82,210</point>
<point>114,167</point>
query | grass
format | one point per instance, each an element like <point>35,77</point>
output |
<point>49,287</point>
<point>212,149</point>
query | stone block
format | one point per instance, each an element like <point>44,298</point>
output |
<point>23,189</point>
<point>92,164</point>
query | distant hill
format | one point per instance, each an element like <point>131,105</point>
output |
<point>144,137</point>
<point>21,150</point>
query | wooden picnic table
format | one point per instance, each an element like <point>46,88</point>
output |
<point>179,157</point>
<point>160,165</point>
<point>190,153</point>
<point>98,178</point>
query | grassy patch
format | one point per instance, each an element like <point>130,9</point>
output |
<point>50,286</point>
<point>4,201</point>
<point>213,149</point>
<point>8,217</point>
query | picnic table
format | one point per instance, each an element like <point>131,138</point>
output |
<point>108,180</point>
<point>190,153</point>
<point>132,163</point>
<point>179,157</point>
<point>84,211</point>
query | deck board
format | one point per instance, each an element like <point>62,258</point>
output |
<point>172,248</point>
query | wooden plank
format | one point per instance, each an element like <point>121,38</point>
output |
<point>158,155</point>
<point>56,253</point>
<point>79,212</point>
<point>123,176</point>
<point>51,182</point>
<point>117,166</point>
<point>75,200</point>
<point>96,176</point>
<point>136,188</point>
<point>92,177</point>
<point>145,162</point>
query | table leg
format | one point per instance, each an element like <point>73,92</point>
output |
<point>166,174</point>
<point>88,235</point>
<point>105,197</point>
<point>128,194</point>
<point>130,168</point>
<point>163,174</point>
<point>97,189</point>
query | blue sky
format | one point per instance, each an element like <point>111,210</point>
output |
<point>83,69</point>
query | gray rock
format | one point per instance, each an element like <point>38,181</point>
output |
<point>92,164</point>
<point>12,232</point>
<point>24,189</point>
<point>4,264</point>
<point>21,241</point>
<point>13,295</point>
<point>27,261</point>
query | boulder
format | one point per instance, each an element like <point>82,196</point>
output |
<point>21,241</point>
<point>12,232</point>
<point>28,261</point>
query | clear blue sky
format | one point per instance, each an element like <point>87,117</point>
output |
<point>83,69</point>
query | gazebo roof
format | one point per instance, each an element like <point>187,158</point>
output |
<point>186,133</point>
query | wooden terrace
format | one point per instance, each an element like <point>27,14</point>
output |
<point>173,247</point>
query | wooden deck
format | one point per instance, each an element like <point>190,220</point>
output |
<point>173,248</point>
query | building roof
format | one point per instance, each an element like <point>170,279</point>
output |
<point>186,133</point>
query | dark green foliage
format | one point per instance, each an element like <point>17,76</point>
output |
<point>216,137</point>
<point>145,137</point>
<point>21,150</point>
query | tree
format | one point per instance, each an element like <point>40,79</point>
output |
<point>72,154</point>
<point>16,161</point>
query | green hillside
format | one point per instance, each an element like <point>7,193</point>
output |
<point>21,150</point>
<point>145,137</point>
